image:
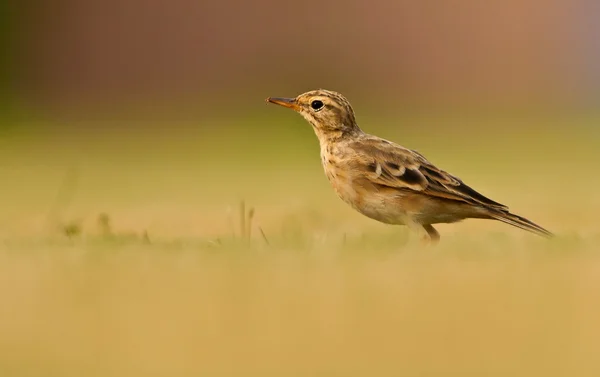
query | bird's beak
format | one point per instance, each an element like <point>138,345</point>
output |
<point>290,103</point>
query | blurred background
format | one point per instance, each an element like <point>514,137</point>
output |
<point>71,55</point>
<point>133,131</point>
<point>151,105</point>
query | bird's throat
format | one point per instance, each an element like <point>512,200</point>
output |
<point>333,137</point>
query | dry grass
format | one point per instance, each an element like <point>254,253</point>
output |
<point>154,280</point>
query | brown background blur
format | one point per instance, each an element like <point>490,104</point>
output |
<point>64,53</point>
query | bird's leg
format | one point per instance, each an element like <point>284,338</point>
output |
<point>432,234</point>
<point>428,234</point>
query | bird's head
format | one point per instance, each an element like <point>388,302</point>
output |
<point>327,111</point>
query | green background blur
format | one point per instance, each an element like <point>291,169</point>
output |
<point>159,106</point>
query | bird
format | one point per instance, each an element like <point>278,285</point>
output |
<point>386,181</point>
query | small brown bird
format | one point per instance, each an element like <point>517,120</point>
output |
<point>387,182</point>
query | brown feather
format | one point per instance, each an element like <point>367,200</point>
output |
<point>418,173</point>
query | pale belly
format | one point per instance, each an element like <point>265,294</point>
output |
<point>368,200</point>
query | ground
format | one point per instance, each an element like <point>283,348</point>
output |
<point>122,253</point>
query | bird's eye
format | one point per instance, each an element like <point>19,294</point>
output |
<point>316,104</point>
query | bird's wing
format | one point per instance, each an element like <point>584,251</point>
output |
<point>388,164</point>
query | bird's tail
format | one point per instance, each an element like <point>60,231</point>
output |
<point>520,222</point>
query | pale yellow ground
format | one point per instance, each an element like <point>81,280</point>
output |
<point>333,295</point>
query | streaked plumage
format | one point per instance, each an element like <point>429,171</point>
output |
<point>385,181</point>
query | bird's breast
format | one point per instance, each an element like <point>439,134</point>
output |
<point>358,192</point>
<point>337,174</point>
